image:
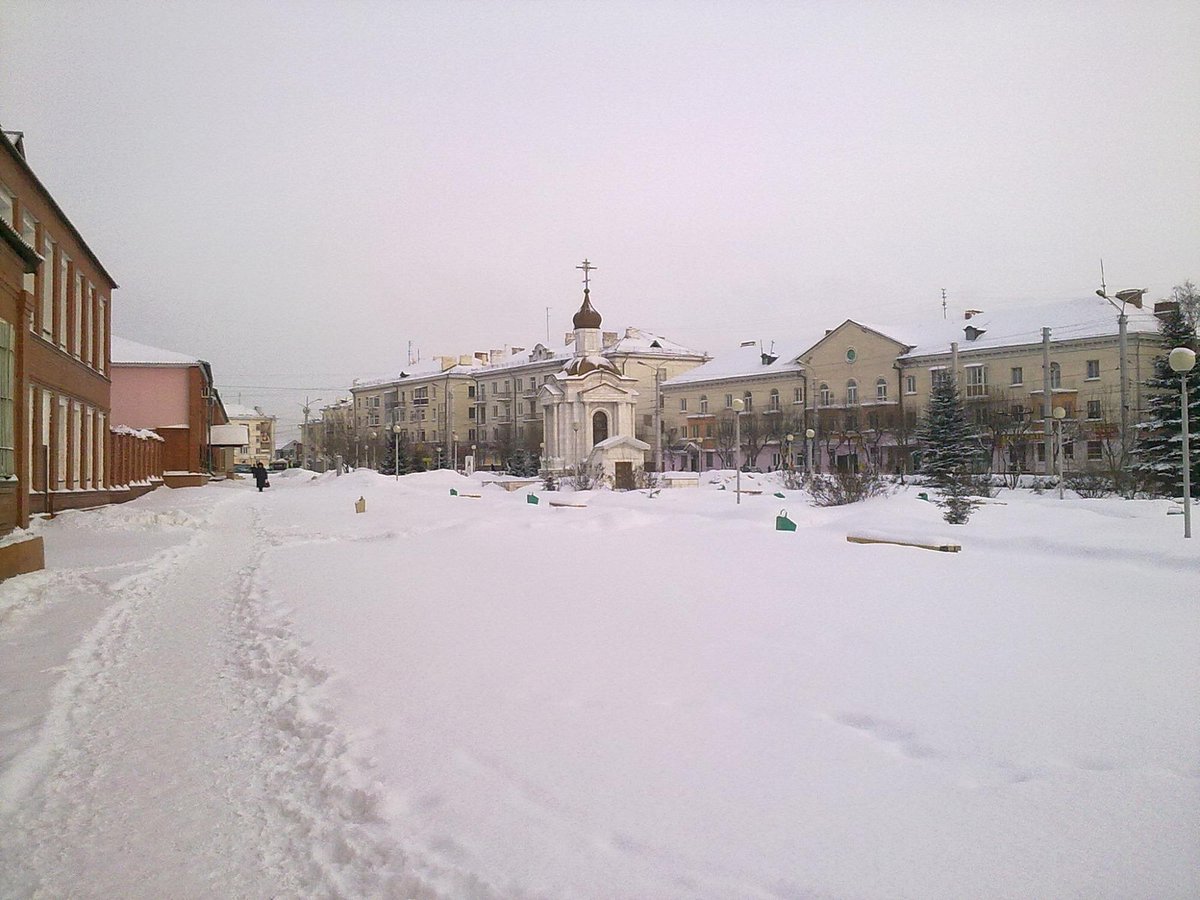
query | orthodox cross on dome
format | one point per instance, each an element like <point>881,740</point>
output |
<point>587,267</point>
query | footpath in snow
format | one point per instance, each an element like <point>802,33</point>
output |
<point>216,692</point>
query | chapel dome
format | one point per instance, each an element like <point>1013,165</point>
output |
<point>587,317</point>
<point>581,365</point>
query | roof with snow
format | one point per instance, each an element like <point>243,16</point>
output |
<point>238,411</point>
<point>1015,325</point>
<point>125,352</point>
<point>1006,326</point>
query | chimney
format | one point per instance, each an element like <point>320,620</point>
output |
<point>569,337</point>
<point>971,313</point>
<point>465,359</point>
<point>481,356</point>
<point>610,338</point>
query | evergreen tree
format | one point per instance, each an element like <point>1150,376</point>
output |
<point>949,446</point>
<point>1159,449</point>
<point>396,455</point>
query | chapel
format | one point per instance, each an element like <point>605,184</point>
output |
<point>588,408</point>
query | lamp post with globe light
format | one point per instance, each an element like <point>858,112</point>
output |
<point>810,435</point>
<point>1059,415</point>
<point>1183,360</point>
<point>738,406</point>
<point>396,451</point>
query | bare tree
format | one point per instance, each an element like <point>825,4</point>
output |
<point>725,440</point>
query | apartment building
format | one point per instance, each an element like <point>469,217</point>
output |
<point>261,429</point>
<point>486,404</point>
<point>863,388</point>
<point>55,313</point>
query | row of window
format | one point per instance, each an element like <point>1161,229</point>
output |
<point>65,450</point>
<point>70,311</point>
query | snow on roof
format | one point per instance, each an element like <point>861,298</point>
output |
<point>745,361</point>
<point>125,352</point>
<point>635,340</point>
<point>1086,317</point>
<point>238,411</point>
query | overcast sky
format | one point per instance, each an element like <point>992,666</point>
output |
<point>295,191</point>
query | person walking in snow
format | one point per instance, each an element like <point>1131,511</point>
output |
<point>260,475</point>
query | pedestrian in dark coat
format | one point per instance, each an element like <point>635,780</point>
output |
<point>260,475</point>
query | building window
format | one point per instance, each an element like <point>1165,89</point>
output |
<point>798,395</point>
<point>683,404</point>
<point>520,384</point>
<point>976,377</point>
<point>704,403</point>
<point>1055,376</point>
<point>851,392</point>
<point>6,206</point>
<point>773,403</point>
<point>1093,369</point>
<point>29,236</point>
<point>470,390</point>
<point>881,389</point>
<point>695,431</point>
<point>910,384</point>
<point>8,463</point>
<point>729,401</point>
<point>1095,449</point>
<point>851,355</point>
<point>748,399</point>
<point>1016,376</point>
<point>46,274</point>
<point>826,394</point>
<point>939,376</point>
<point>61,292</point>
<point>1093,409</point>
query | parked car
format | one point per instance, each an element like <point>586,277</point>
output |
<point>279,465</point>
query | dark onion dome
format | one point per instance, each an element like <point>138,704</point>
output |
<point>581,365</point>
<point>587,317</point>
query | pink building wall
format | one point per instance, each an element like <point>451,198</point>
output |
<point>146,397</point>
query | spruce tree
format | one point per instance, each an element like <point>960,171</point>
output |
<point>949,446</point>
<point>1158,452</point>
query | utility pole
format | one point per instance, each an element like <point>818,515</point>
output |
<point>1048,402</point>
<point>305,433</point>
<point>658,456</point>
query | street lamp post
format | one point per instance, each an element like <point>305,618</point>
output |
<point>1134,297</point>
<point>373,450</point>
<point>658,450</point>
<point>1183,360</point>
<point>454,450</point>
<point>396,451</point>
<point>787,463</point>
<point>1059,415</point>
<point>738,406</point>
<point>810,436</point>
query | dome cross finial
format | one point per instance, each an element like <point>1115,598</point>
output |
<point>587,267</point>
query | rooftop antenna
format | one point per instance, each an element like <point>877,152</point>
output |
<point>410,357</point>
<point>547,326</point>
<point>943,303</point>
<point>1103,286</point>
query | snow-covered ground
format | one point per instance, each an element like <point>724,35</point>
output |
<point>219,693</point>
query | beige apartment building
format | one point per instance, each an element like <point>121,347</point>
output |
<point>862,389</point>
<point>262,434</point>
<point>484,405</point>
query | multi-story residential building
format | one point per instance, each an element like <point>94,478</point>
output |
<point>54,352</point>
<point>485,404</point>
<point>1007,363</point>
<point>261,428</point>
<point>862,390</point>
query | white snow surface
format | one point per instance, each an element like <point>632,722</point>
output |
<point>216,692</point>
